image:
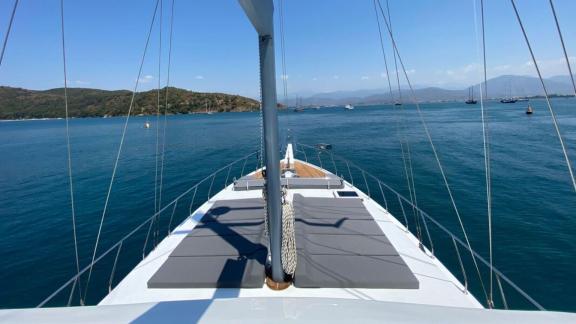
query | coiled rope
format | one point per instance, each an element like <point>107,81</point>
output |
<point>289,256</point>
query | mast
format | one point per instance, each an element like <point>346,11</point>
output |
<point>260,13</point>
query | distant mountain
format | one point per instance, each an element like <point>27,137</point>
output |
<point>498,87</point>
<point>521,86</point>
<point>563,79</point>
<point>17,103</point>
<point>348,94</point>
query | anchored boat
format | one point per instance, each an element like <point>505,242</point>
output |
<point>508,100</point>
<point>471,100</point>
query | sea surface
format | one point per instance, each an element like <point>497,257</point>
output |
<point>534,205</point>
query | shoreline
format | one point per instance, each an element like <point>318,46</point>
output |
<point>280,109</point>
<point>121,116</point>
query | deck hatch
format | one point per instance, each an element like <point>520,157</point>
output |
<point>346,193</point>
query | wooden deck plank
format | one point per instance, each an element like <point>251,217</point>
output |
<point>302,170</point>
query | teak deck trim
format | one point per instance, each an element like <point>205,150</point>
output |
<point>302,170</point>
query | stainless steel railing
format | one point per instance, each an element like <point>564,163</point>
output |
<point>427,244</point>
<point>344,168</point>
<point>167,210</point>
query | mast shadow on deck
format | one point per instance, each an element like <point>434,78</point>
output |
<point>225,250</point>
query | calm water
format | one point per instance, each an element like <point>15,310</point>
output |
<point>534,206</point>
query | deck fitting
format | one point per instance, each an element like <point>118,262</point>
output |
<point>277,285</point>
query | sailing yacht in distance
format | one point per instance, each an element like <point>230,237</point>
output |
<point>509,99</point>
<point>288,239</point>
<point>471,100</point>
<point>298,107</point>
<point>208,111</point>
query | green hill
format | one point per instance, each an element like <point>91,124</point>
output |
<point>17,103</point>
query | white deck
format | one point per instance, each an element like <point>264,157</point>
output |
<point>437,285</point>
<point>277,310</point>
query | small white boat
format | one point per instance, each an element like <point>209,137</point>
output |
<point>208,110</point>
<point>348,107</point>
<point>147,124</point>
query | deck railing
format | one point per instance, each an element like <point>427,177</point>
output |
<point>78,291</point>
<point>416,221</point>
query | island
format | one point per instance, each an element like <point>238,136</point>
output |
<point>18,103</point>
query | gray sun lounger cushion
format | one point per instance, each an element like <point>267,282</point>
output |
<point>211,272</point>
<point>228,227</point>
<point>330,182</point>
<point>235,210</point>
<point>248,182</point>
<point>353,271</point>
<point>252,183</point>
<point>338,226</point>
<point>226,249</point>
<point>345,244</point>
<point>330,208</point>
<point>215,245</point>
<point>341,246</point>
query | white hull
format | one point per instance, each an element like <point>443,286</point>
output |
<point>440,296</point>
<point>437,285</point>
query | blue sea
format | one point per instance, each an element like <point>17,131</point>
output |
<point>534,205</point>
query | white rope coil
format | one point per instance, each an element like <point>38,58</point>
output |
<point>289,258</point>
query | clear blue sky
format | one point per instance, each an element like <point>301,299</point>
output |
<point>331,44</point>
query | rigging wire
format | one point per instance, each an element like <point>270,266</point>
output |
<point>549,104</point>
<point>162,157</point>
<point>426,130</point>
<point>563,46</point>
<point>283,50</point>
<point>394,53</point>
<point>156,206</point>
<point>383,51</point>
<point>486,144</point>
<point>410,179</point>
<point>8,31</point>
<point>118,154</point>
<point>406,161</point>
<point>413,184</point>
<point>68,147</point>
